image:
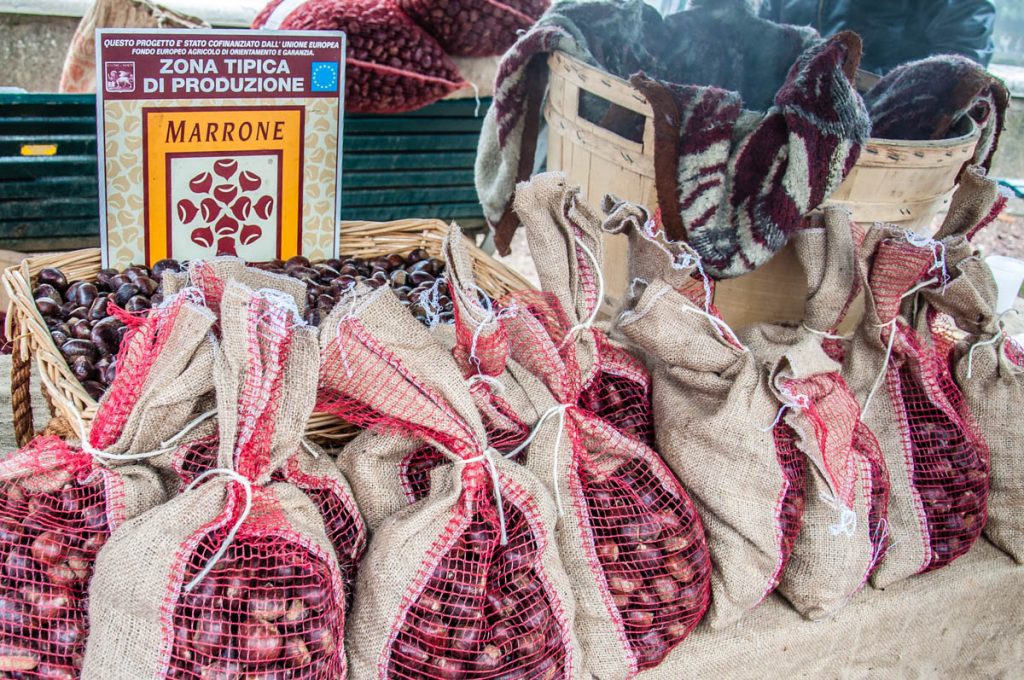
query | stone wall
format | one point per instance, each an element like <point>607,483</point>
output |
<point>32,50</point>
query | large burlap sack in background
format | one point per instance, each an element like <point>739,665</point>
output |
<point>466,582</point>
<point>716,426</point>
<point>170,584</point>
<point>987,363</point>
<point>844,533</point>
<point>938,465</point>
<point>79,73</point>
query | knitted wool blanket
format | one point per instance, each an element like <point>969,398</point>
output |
<point>733,182</point>
<point>930,99</point>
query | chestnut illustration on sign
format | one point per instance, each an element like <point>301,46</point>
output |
<point>224,208</point>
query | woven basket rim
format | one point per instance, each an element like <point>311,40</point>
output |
<point>388,237</point>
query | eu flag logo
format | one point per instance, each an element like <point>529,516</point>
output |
<point>324,76</point>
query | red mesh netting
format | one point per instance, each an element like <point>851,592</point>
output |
<point>652,563</point>
<point>56,512</point>
<point>477,608</point>
<point>391,64</point>
<point>475,28</point>
<point>948,461</point>
<point>946,458</point>
<point>345,528</point>
<point>876,485</point>
<point>274,602</point>
<point>650,547</point>
<point>269,609</point>
<point>145,340</point>
<point>620,392</point>
<point>789,510</point>
<point>484,610</point>
<point>1014,352</point>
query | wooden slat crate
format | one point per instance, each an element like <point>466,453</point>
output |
<point>903,182</point>
<point>402,166</point>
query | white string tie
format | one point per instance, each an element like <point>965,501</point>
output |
<point>166,446</point>
<point>560,409</point>
<point>476,96</point>
<point>888,349</point>
<point>589,322</point>
<point>688,259</point>
<point>721,326</point>
<point>310,449</point>
<point>996,337</point>
<point>349,315</point>
<point>824,334</point>
<point>490,317</point>
<point>938,251</point>
<point>497,387</point>
<point>226,543</point>
<point>847,525</point>
<point>633,284</point>
<point>797,402</point>
<point>488,461</point>
<point>430,302</point>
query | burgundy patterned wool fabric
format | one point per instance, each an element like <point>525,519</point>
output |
<point>734,183</point>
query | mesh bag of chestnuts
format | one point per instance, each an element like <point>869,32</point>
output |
<point>938,463</point>
<point>307,468</point>
<point>389,471</point>
<point>475,28</point>
<point>60,503</point>
<point>565,239</point>
<point>391,64</point>
<point>629,534</point>
<point>466,582</point>
<point>717,427</point>
<point>844,534</point>
<point>986,362</point>
<point>236,576</point>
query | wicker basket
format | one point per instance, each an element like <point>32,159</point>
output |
<point>31,338</point>
<point>901,182</point>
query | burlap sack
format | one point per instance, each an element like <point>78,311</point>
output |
<point>389,471</point>
<point>844,533</point>
<point>161,402</point>
<point>566,245</point>
<point>467,581</point>
<point>61,503</point>
<point>938,466</point>
<point>169,582</point>
<point>79,74</point>
<point>987,363</point>
<point>717,427</point>
<point>210,276</point>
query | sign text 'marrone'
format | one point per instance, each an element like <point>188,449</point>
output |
<point>190,132</point>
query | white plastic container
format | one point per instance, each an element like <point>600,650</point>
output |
<point>1009,275</point>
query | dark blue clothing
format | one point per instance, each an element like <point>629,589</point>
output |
<point>897,31</point>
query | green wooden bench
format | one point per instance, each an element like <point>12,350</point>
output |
<point>417,164</point>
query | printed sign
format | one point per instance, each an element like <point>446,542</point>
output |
<point>219,143</point>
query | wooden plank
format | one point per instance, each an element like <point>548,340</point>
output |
<point>22,229</point>
<point>67,125</point>
<point>49,244</point>
<point>45,187</point>
<point>383,180</point>
<point>37,166</point>
<point>409,196</point>
<point>411,161</point>
<point>598,82</point>
<point>412,142</point>
<point>66,145</point>
<point>461,108</point>
<point>451,211</point>
<point>383,124</point>
<point>49,208</point>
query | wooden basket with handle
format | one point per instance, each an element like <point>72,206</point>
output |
<point>901,182</point>
<point>31,338</point>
